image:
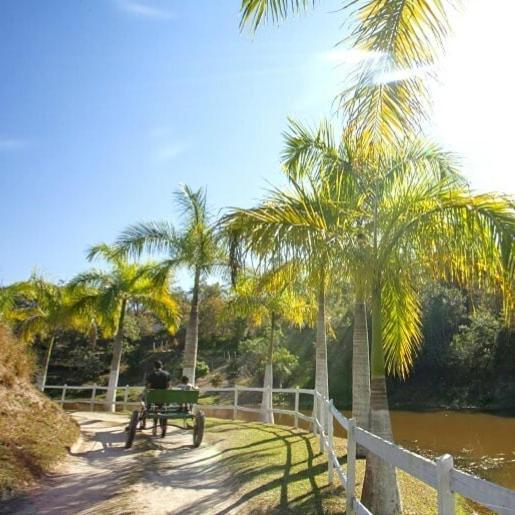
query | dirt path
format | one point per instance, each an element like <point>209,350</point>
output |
<point>156,476</point>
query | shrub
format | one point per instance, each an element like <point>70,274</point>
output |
<point>217,380</point>
<point>202,369</point>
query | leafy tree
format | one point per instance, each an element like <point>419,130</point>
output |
<point>111,294</point>
<point>194,246</point>
<point>254,357</point>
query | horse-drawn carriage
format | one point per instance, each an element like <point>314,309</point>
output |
<point>162,406</point>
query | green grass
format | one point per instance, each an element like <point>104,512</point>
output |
<point>280,470</point>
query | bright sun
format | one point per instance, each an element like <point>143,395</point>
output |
<point>475,105</point>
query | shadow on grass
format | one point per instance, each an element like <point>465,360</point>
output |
<point>291,449</point>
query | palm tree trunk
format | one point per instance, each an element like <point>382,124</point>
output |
<point>360,369</point>
<point>268,382</point>
<point>321,375</point>
<point>93,334</point>
<point>380,490</point>
<point>115,362</point>
<point>47,362</point>
<point>191,344</point>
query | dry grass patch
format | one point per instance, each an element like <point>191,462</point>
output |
<point>34,431</point>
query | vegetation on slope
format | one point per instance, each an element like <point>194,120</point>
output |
<point>34,432</point>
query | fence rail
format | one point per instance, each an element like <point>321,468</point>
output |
<point>439,474</point>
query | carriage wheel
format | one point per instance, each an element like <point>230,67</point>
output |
<point>133,424</point>
<point>198,429</point>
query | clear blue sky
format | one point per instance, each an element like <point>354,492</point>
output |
<point>106,106</point>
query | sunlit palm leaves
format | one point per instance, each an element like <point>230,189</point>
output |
<point>254,12</point>
<point>104,292</point>
<point>194,245</point>
<point>390,94</point>
<point>401,41</point>
<point>404,216</point>
<point>39,308</point>
<point>276,292</point>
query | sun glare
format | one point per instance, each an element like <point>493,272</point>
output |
<point>475,104</point>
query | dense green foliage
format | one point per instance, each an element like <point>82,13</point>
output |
<point>466,359</point>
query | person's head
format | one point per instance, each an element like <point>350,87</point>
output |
<point>185,380</point>
<point>158,364</point>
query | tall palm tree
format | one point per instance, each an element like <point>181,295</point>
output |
<point>289,227</point>
<point>111,294</point>
<point>401,41</point>
<point>194,246</point>
<point>266,299</point>
<point>410,216</point>
<point>311,158</point>
<point>423,221</point>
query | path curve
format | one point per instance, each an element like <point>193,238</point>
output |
<point>156,476</point>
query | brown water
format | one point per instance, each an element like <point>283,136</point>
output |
<point>480,443</point>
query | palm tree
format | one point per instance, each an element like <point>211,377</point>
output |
<point>318,156</point>
<point>408,217</point>
<point>41,309</point>
<point>194,246</point>
<point>401,41</point>
<point>418,219</point>
<point>111,294</point>
<point>266,299</point>
<point>289,227</point>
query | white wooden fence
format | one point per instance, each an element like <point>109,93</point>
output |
<point>439,474</point>
<point>92,400</point>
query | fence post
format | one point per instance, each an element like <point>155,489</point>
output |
<point>446,503</point>
<point>125,397</point>
<point>63,395</point>
<point>235,408</point>
<point>320,410</point>
<point>351,466</point>
<point>330,450</point>
<point>296,417</point>
<point>315,411</point>
<point>271,417</point>
<point>93,395</point>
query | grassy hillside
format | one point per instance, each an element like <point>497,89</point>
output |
<point>34,432</point>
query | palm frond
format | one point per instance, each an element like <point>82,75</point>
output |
<point>255,12</point>
<point>401,332</point>
<point>390,94</point>
<point>152,237</point>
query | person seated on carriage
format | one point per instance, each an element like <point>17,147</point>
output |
<point>158,379</point>
<point>186,385</point>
